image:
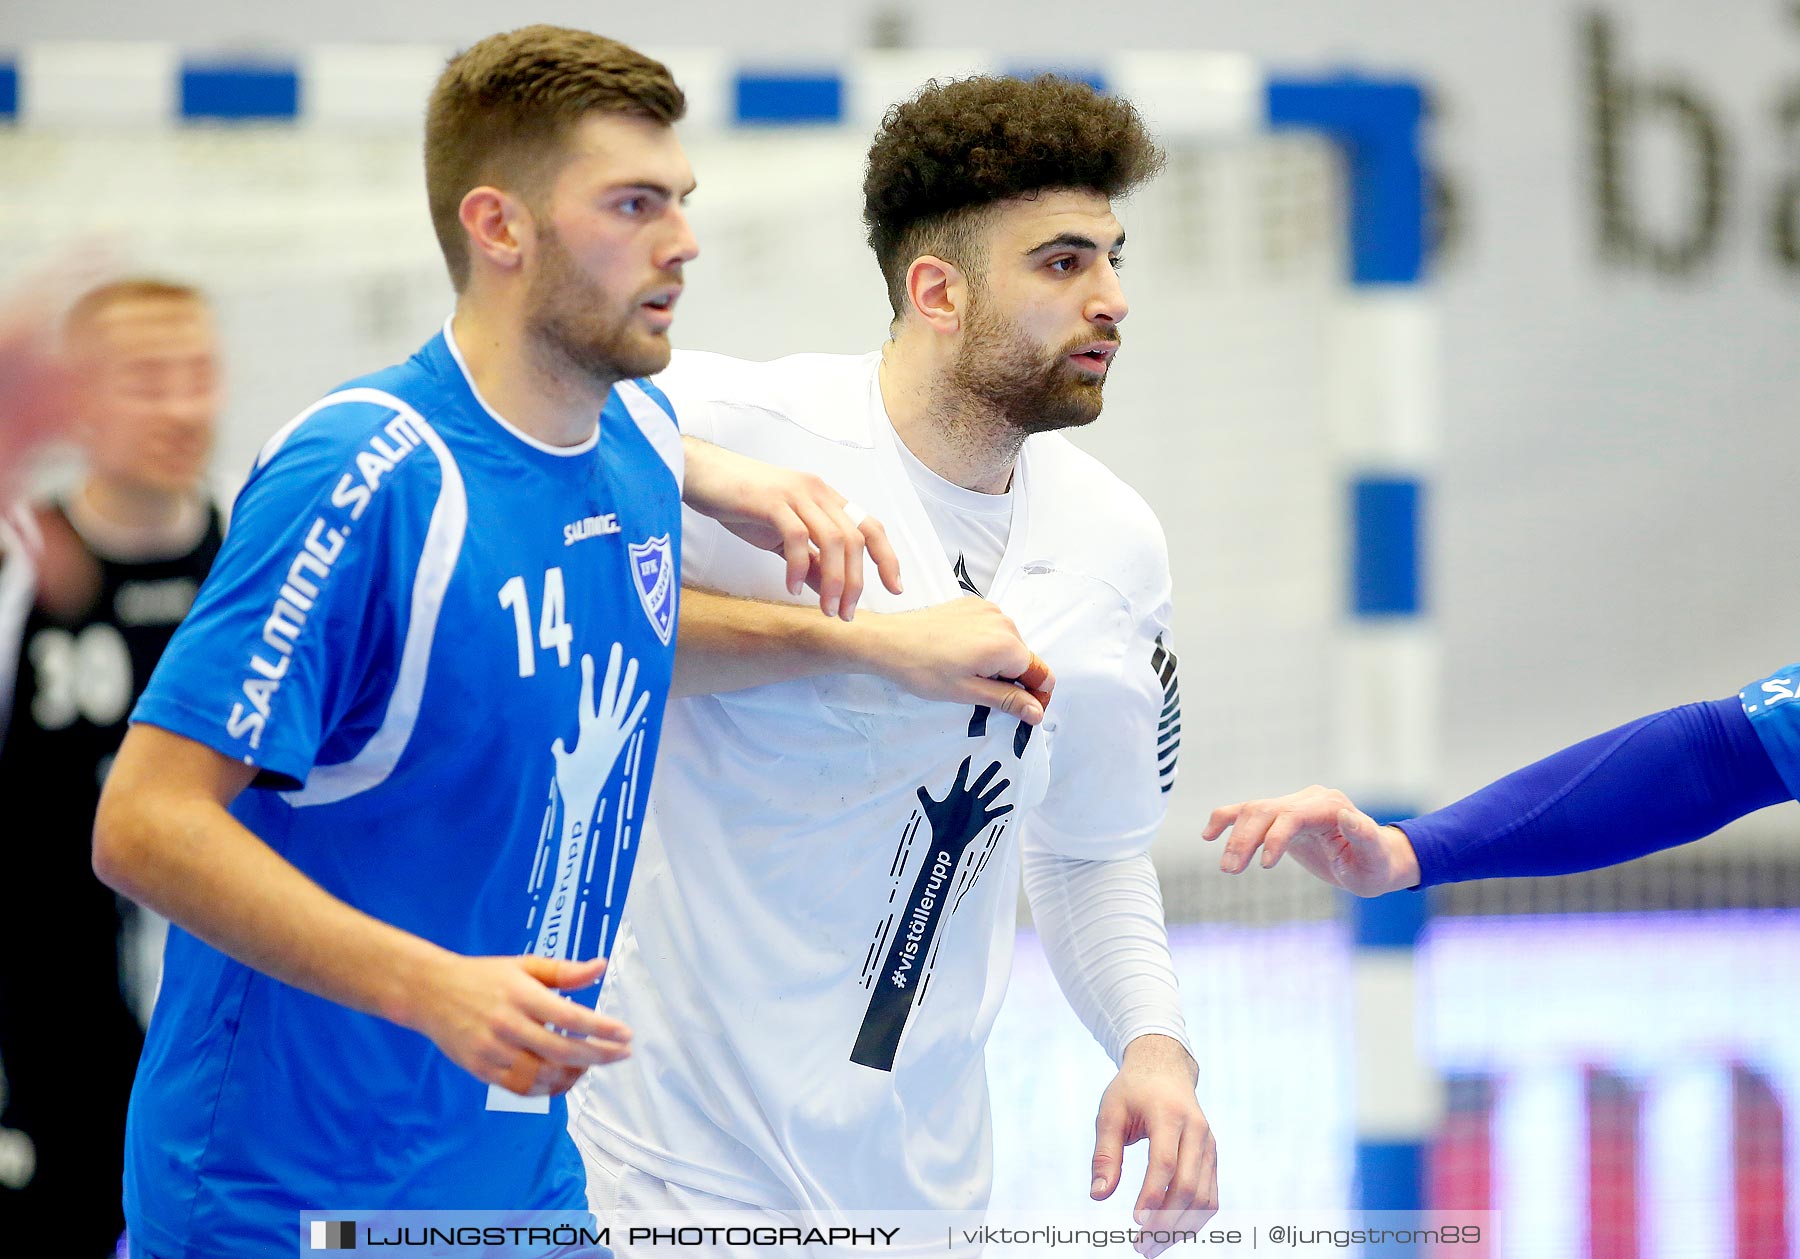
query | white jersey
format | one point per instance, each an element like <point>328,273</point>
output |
<point>821,926</point>
<point>974,527</point>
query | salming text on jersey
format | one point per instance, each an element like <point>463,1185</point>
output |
<point>308,572</point>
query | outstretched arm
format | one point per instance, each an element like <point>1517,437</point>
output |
<point>1662,780</point>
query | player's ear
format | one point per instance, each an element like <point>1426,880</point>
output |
<point>498,226</point>
<point>938,292</point>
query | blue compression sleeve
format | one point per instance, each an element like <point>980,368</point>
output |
<point>1661,780</point>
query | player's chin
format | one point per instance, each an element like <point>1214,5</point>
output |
<point>1076,404</point>
<point>170,476</point>
<point>648,355</point>
<point>1080,385</point>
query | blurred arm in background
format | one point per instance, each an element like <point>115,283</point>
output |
<point>37,388</point>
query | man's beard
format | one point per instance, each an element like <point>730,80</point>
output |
<point>568,316</point>
<point>1003,372</point>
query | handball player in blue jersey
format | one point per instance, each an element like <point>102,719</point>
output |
<point>389,779</point>
<point>1662,780</point>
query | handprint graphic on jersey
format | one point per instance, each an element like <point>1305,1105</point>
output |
<point>562,878</point>
<point>967,810</point>
<point>602,733</point>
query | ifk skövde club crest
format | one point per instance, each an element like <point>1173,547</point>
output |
<point>653,572</point>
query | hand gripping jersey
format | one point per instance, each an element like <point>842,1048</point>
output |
<point>822,926</point>
<point>446,648</point>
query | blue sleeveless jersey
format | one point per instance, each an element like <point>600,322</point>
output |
<point>396,635</point>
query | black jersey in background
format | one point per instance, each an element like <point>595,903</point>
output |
<point>80,633</point>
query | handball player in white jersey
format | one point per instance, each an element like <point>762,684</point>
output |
<point>821,930</point>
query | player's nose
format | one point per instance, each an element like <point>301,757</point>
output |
<point>684,245</point>
<point>1107,305</point>
<point>187,414</point>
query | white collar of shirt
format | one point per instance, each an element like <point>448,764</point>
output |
<point>914,521</point>
<point>583,447</point>
<point>949,493</point>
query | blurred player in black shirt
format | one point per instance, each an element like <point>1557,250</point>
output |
<point>92,587</point>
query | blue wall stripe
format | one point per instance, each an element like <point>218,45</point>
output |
<point>1387,812</point>
<point>1390,1176</point>
<point>1377,123</point>
<point>1394,921</point>
<point>1081,74</point>
<point>1384,558</point>
<point>239,91</point>
<point>9,90</point>
<point>789,98</point>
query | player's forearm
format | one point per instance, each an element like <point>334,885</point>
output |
<point>731,644</point>
<point>184,856</point>
<point>1662,780</point>
<point>1101,925</point>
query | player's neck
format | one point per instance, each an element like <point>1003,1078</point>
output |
<point>518,377</point>
<point>955,436</point>
<point>127,521</point>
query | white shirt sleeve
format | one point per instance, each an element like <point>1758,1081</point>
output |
<point>1113,757</point>
<point>696,415</point>
<point>1101,923</point>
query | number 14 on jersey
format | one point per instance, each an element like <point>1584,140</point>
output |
<point>554,631</point>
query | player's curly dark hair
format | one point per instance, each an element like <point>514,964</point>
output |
<point>959,145</point>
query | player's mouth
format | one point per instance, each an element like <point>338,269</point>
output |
<point>659,308</point>
<point>1095,357</point>
<point>181,453</point>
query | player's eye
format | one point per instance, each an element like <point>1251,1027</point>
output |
<point>1065,264</point>
<point>1117,261</point>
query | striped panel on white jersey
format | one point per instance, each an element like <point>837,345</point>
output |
<point>329,784</point>
<point>1168,723</point>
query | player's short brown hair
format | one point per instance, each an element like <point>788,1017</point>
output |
<point>957,146</point>
<point>502,110</point>
<point>138,288</point>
